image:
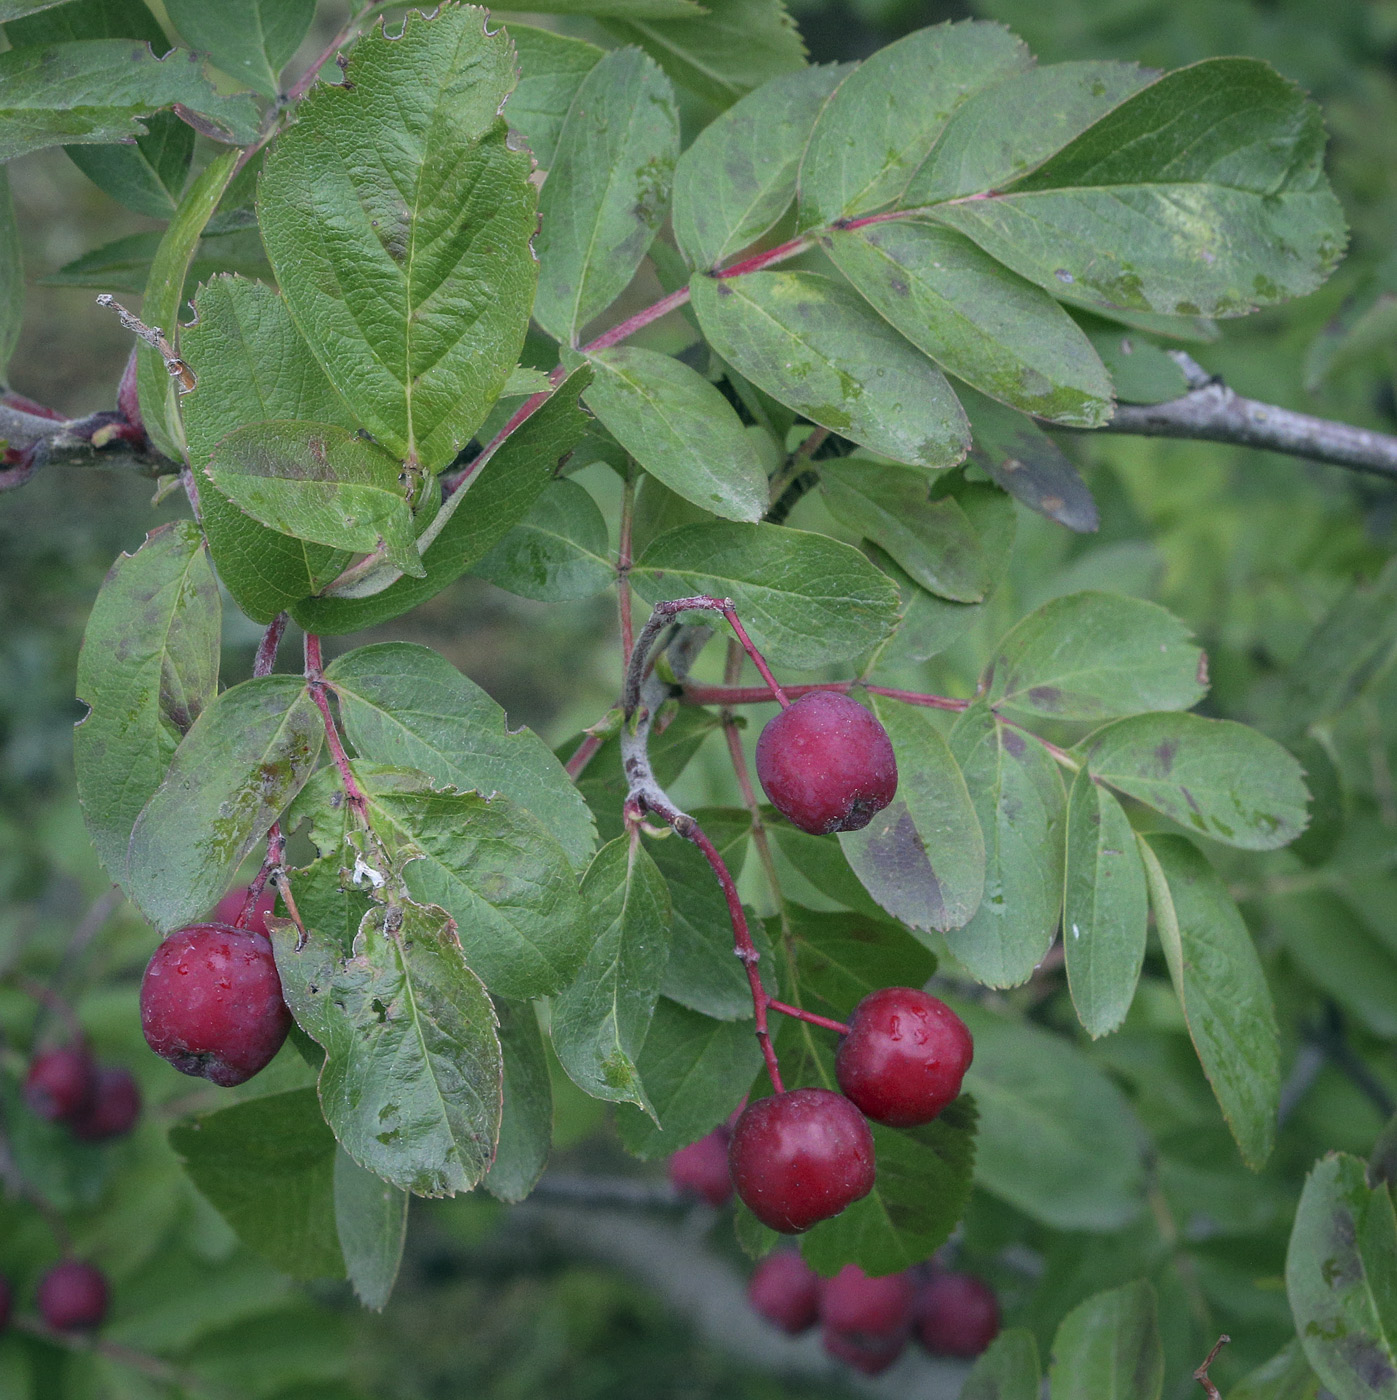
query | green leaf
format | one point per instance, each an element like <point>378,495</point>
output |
<point>607,192</point>
<point>164,296</point>
<point>244,759</point>
<point>933,540</point>
<point>552,67</point>
<point>1221,987</point>
<point>320,483</point>
<point>526,1129</point>
<point>623,9</point>
<point>1109,1348</point>
<point>1093,656</point>
<point>806,599</point>
<point>1008,1369</point>
<point>885,117</point>
<point>408,707</point>
<point>828,870</point>
<point>495,498</point>
<point>1001,132</point>
<point>1215,776</point>
<point>95,91</point>
<point>1017,793</point>
<point>412,1077</point>
<point>268,1167</point>
<point>65,20</point>
<point>1286,1376</point>
<point>735,46</point>
<point>1203,194</point>
<point>11,276</point>
<point>739,176</point>
<point>1341,1278</point>
<point>600,1021</point>
<point>842,957</point>
<point>695,1071</point>
<point>680,428</point>
<point>1058,1140</point>
<point>1105,907</point>
<point>324,891</point>
<point>1019,456</point>
<point>148,667</point>
<point>398,222</point>
<point>371,1221</point>
<point>923,856</point>
<point>557,553</point>
<point>248,39</point>
<point>814,344</point>
<point>1140,371</point>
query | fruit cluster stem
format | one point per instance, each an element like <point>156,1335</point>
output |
<point>315,683</point>
<point>695,694</point>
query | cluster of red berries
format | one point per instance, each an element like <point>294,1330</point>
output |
<point>867,1322</point>
<point>72,1297</point>
<point>95,1102</point>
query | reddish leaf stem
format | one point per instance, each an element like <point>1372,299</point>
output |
<point>262,665</point>
<point>801,1014</point>
<point>695,694</point>
<point>315,678</point>
<point>583,755</point>
<point>638,322</point>
<point>757,261</point>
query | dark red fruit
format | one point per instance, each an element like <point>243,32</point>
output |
<point>869,1310</point>
<point>60,1082</point>
<point>113,1109</point>
<point>904,1057</point>
<point>211,1003</point>
<point>73,1296</point>
<point>826,763</point>
<point>785,1290</point>
<point>7,1302</point>
<point>956,1315</point>
<point>701,1169</point>
<point>800,1157</point>
<point>231,905</point>
<point>872,1358</point>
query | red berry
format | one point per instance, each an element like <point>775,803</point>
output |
<point>904,1057</point>
<point>868,1310</point>
<point>60,1082</point>
<point>800,1157</point>
<point>872,1358</point>
<point>231,905</point>
<point>7,1302</point>
<point>826,763</point>
<point>956,1315</point>
<point>113,1109</point>
<point>785,1290</point>
<point>73,1296</point>
<point>701,1169</point>
<point>211,1003</point>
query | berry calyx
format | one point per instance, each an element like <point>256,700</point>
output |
<point>211,1003</point>
<point>231,905</point>
<point>60,1082</point>
<point>904,1057</point>
<point>801,1157</point>
<point>872,1358</point>
<point>113,1109</point>
<point>73,1296</point>
<point>956,1315</point>
<point>868,1310</point>
<point>785,1290</point>
<point>701,1169</point>
<point>826,763</point>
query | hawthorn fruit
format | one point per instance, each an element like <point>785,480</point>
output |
<point>231,905</point>
<point>956,1315</point>
<point>60,1082</point>
<point>701,1169</point>
<point>73,1296</point>
<point>872,1358</point>
<point>869,1310</point>
<point>113,1109</point>
<point>785,1290</point>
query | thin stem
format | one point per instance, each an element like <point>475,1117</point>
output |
<point>623,567</point>
<point>315,677</point>
<point>265,659</point>
<point>757,261</point>
<point>583,755</point>
<point>1059,755</point>
<point>758,660</point>
<point>262,665</point>
<point>1201,1374</point>
<point>801,1014</point>
<point>695,694</point>
<point>638,322</point>
<point>52,1003</point>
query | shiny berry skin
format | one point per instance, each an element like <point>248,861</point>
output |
<point>211,1003</point>
<point>701,1169</point>
<point>868,1310</point>
<point>956,1315</point>
<point>872,1358</point>
<point>112,1111</point>
<point>60,1082</point>
<point>800,1157</point>
<point>7,1302</point>
<point>826,763</point>
<point>785,1290</point>
<point>904,1057</point>
<point>73,1296</point>
<point>231,905</point>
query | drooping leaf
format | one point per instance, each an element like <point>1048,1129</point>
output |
<point>551,67</point>
<point>600,1021</point>
<point>412,1077</point>
<point>1105,907</point>
<point>558,552</point>
<point>248,39</point>
<point>268,1167</point>
<point>817,346</point>
<point>1109,1348</point>
<point>1341,1279</point>
<point>1215,776</point>
<point>1017,793</point>
<point>526,1129</point>
<point>680,428</point>
<point>244,759</point>
<point>806,599</point>
<point>371,1221</point>
<point>398,222</point>
<point>923,856</point>
<point>1221,987</point>
<point>1093,656</point>
<point>607,192</point>
<point>739,175</point>
<point>147,669</point>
